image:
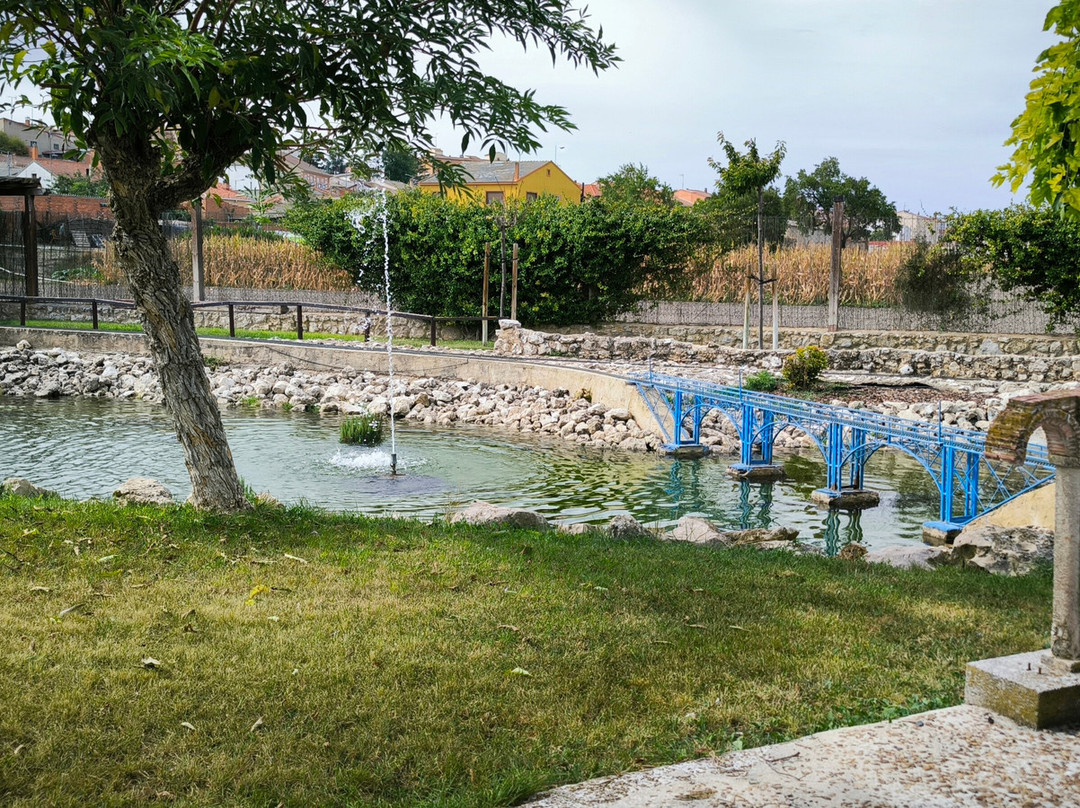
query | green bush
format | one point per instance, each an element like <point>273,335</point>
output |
<point>761,382</point>
<point>365,430</point>
<point>802,368</point>
<point>577,263</point>
<point>936,280</point>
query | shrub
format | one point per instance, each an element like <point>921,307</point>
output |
<point>365,430</point>
<point>936,280</point>
<point>802,368</point>
<point>578,263</point>
<point>761,382</point>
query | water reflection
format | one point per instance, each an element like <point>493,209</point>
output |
<point>86,447</point>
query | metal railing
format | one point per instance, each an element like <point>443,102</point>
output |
<point>95,304</point>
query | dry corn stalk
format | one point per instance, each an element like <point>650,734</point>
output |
<point>868,278</point>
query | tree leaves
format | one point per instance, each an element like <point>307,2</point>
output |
<point>1046,135</point>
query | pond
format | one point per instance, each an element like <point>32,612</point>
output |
<point>85,448</point>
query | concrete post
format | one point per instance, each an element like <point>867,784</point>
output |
<point>1065,628</point>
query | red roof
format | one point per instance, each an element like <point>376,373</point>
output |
<point>591,189</point>
<point>689,197</point>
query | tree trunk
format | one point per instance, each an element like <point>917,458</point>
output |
<point>167,316</point>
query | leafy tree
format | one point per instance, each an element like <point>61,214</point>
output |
<point>867,213</point>
<point>171,94</point>
<point>334,161</point>
<point>12,145</point>
<point>748,175</point>
<point>1031,251</point>
<point>633,185</point>
<point>400,165</point>
<point>744,198</point>
<point>80,186</point>
<point>1046,135</point>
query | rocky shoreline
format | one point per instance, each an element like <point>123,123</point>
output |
<point>571,415</point>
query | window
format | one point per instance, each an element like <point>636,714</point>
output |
<point>494,197</point>
<point>530,196</point>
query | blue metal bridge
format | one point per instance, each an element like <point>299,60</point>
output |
<point>968,483</point>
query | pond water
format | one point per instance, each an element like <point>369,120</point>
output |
<point>85,448</point>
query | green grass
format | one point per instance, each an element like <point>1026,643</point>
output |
<point>400,663</point>
<point>459,344</point>
<point>362,429</point>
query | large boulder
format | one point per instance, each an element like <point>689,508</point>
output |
<point>627,527</point>
<point>485,513</point>
<point>696,530</point>
<point>910,556</point>
<point>20,487</point>
<point>1005,550</point>
<point>763,536</point>
<point>143,491</point>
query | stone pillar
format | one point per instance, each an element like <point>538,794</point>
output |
<point>1042,689</point>
<point>1065,629</point>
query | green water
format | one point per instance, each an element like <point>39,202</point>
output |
<point>84,448</point>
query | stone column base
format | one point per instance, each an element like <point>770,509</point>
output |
<point>756,474</point>
<point>1028,688</point>
<point>684,451</point>
<point>849,499</point>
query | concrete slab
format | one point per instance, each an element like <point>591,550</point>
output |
<point>849,499</point>
<point>959,757</point>
<point>1032,689</point>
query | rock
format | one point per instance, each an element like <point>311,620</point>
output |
<point>143,491</point>
<point>48,390</point>
<point>696,530</point>
<point>580,529</point>
<point>20,487</point>
<point>853,551</point>
<point>485,513</point>
<point>761,535</point>
<point>1005,550</point>
<point>23,345</point>
<point>267,500</point>
<point>627,527</point>
<point>912,556</point>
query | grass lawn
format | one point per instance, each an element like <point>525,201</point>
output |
<point>298,658</point>
<point>460,344</point>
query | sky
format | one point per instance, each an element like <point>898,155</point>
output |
<point>915,95</point>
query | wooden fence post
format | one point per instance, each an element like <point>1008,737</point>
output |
<point>837,257</point>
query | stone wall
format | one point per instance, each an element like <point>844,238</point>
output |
<point>261,318</point>
<point>1030,359</point>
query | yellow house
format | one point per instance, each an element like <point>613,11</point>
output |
<point>501,181</point>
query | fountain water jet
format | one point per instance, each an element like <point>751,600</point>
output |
<point>357,217</point>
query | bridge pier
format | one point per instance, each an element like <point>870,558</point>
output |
<point>846,499</point>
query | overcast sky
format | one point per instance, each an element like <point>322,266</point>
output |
<point>916,95</point>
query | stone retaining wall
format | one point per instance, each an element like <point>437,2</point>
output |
<point>261,318</point>
<point>1010,362</point>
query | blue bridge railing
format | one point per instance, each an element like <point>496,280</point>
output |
<point>968,483</point>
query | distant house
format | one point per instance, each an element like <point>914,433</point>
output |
<point>688,197</point>
<point>505,180</point>
<point>915,226</point>
<point>48,141</point>
<point>47,169</point>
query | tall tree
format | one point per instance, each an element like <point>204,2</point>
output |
<point>745,175</point>
<point>169,93</point>
<point>400,165</point>
<point>1046,135</point>
<point>867,213</point>
<point>634,185</point>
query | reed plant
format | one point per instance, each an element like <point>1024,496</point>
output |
<point>869,278</point>
<point>236,261</point>
<point>365,430</point>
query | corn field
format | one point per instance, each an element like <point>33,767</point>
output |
<point>244,263</point>
<point>867,278</point>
